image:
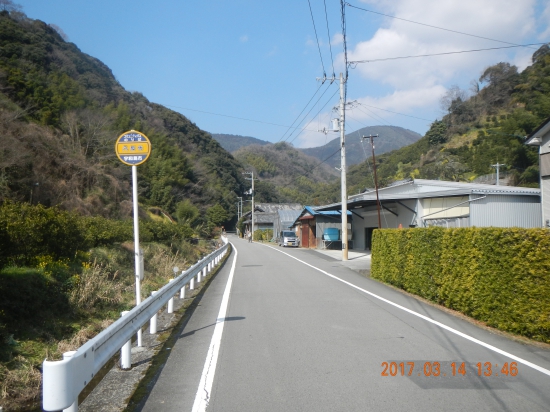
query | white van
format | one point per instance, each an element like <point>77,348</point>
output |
<point>288,238</point>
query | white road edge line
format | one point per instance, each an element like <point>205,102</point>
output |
<point>202,398</point>
<point>441,325</point>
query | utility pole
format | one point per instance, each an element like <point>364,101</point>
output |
<point>252,190</point>
<point>343,170</point>
<point>375,179</point>
<point>497,166</point>
<point>239,208</point>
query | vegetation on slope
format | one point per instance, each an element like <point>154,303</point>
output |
<point>60,113</point>
<point>391,138</point>
<point>286,174</point>
<point>477,131</point>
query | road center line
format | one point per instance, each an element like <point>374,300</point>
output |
<point>412,312</point>
<point>207,378</point>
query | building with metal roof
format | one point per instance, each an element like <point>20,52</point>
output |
<point>285,220</point>
<point>311,223</point>
<point>541,137</point>
<point>266,215</point>
<point>423,203</point>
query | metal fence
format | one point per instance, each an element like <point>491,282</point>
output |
<point>64,380</point>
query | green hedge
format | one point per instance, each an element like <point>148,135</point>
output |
<point>500,276</point>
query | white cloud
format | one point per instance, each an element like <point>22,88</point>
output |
<point>544,19</point>
<point>243,38</point>
<point>414,86</point>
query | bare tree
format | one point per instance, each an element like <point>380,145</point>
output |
<point>9,5</point>
<point>453,96</point>
<point>59,31</point>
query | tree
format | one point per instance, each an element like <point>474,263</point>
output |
<point>187,213</point>
<point>437,133</point>
<point>216,216</point>
<point>451,97</point>
<point>9,5</point>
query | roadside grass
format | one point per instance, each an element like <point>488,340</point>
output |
<point>57,306</point>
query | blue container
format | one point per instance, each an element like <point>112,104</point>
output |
<point>331,233</point>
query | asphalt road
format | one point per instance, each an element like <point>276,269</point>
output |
<point>302,332</point>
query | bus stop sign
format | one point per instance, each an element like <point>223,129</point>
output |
<point>133,148</point>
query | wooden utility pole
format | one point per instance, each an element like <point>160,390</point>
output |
<point>371,137</point>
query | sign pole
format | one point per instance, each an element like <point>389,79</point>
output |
<point>133,148</point>
<point>136,245</point>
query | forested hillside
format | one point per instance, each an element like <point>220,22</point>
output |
<point>60,113</point>
<point>232,143</point>
<point>285,174</point>
<point>482,127</point>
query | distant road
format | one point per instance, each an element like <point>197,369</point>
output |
<point>301,332</point>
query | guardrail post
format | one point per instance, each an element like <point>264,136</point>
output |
<point>192,283</point>
<point>204,272</point>
<point>171,301</point>
<point>153,321</point>
<point>126,351</point>
<point>74,406</point>
<point>182,292</point>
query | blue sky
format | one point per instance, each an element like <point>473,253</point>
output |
<point>259,60</point>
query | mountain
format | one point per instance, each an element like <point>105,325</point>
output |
<point>60,114</point>
<point>285,174</point>
<point>390,138</point>
<point>232,143</point>
<point>478,131</point>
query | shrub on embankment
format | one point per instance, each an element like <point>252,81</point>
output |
<point>500,276</point>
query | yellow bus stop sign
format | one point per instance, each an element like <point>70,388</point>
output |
<point>133,148</point>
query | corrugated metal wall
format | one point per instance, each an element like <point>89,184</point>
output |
<point>505,211</point>
<point>545,186</point>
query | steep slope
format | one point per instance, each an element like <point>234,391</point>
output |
<point>60,113</point>
<point>286,174</point>
<point>390,138</point>
<point>232,143</point>
<point>478,131</point>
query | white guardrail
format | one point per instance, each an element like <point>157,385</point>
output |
<point>62,381</point>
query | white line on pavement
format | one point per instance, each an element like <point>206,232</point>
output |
<point>441,325</point>
<point>207,378</point>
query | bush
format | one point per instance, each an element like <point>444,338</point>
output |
<point>497,275</point>
<point>29,298</point>
<point>263,235</point>
<point>29,231</point>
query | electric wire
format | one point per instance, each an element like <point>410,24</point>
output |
<point>329,42</point>
<point>374,116</point>
<point>305,116</point>
<point>389,111</point>
<point>233,117</point>
<point>436,27</point>
<point>305,107</point>
<point>317,38</point>
<point>300,132</point>
<point>354,63</point>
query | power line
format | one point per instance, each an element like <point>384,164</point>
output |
<point>436,27</point>
<point>389,111</point>
<point>380,118</point>
<point>329,43</point>
<point>233,117</point>
<point>304,117</point>
<point>305,107</point>
<point>355,62</point>
<point>317,38</point>
<point>315,114</point>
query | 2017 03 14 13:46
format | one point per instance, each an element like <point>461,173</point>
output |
<point>443,369</point>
